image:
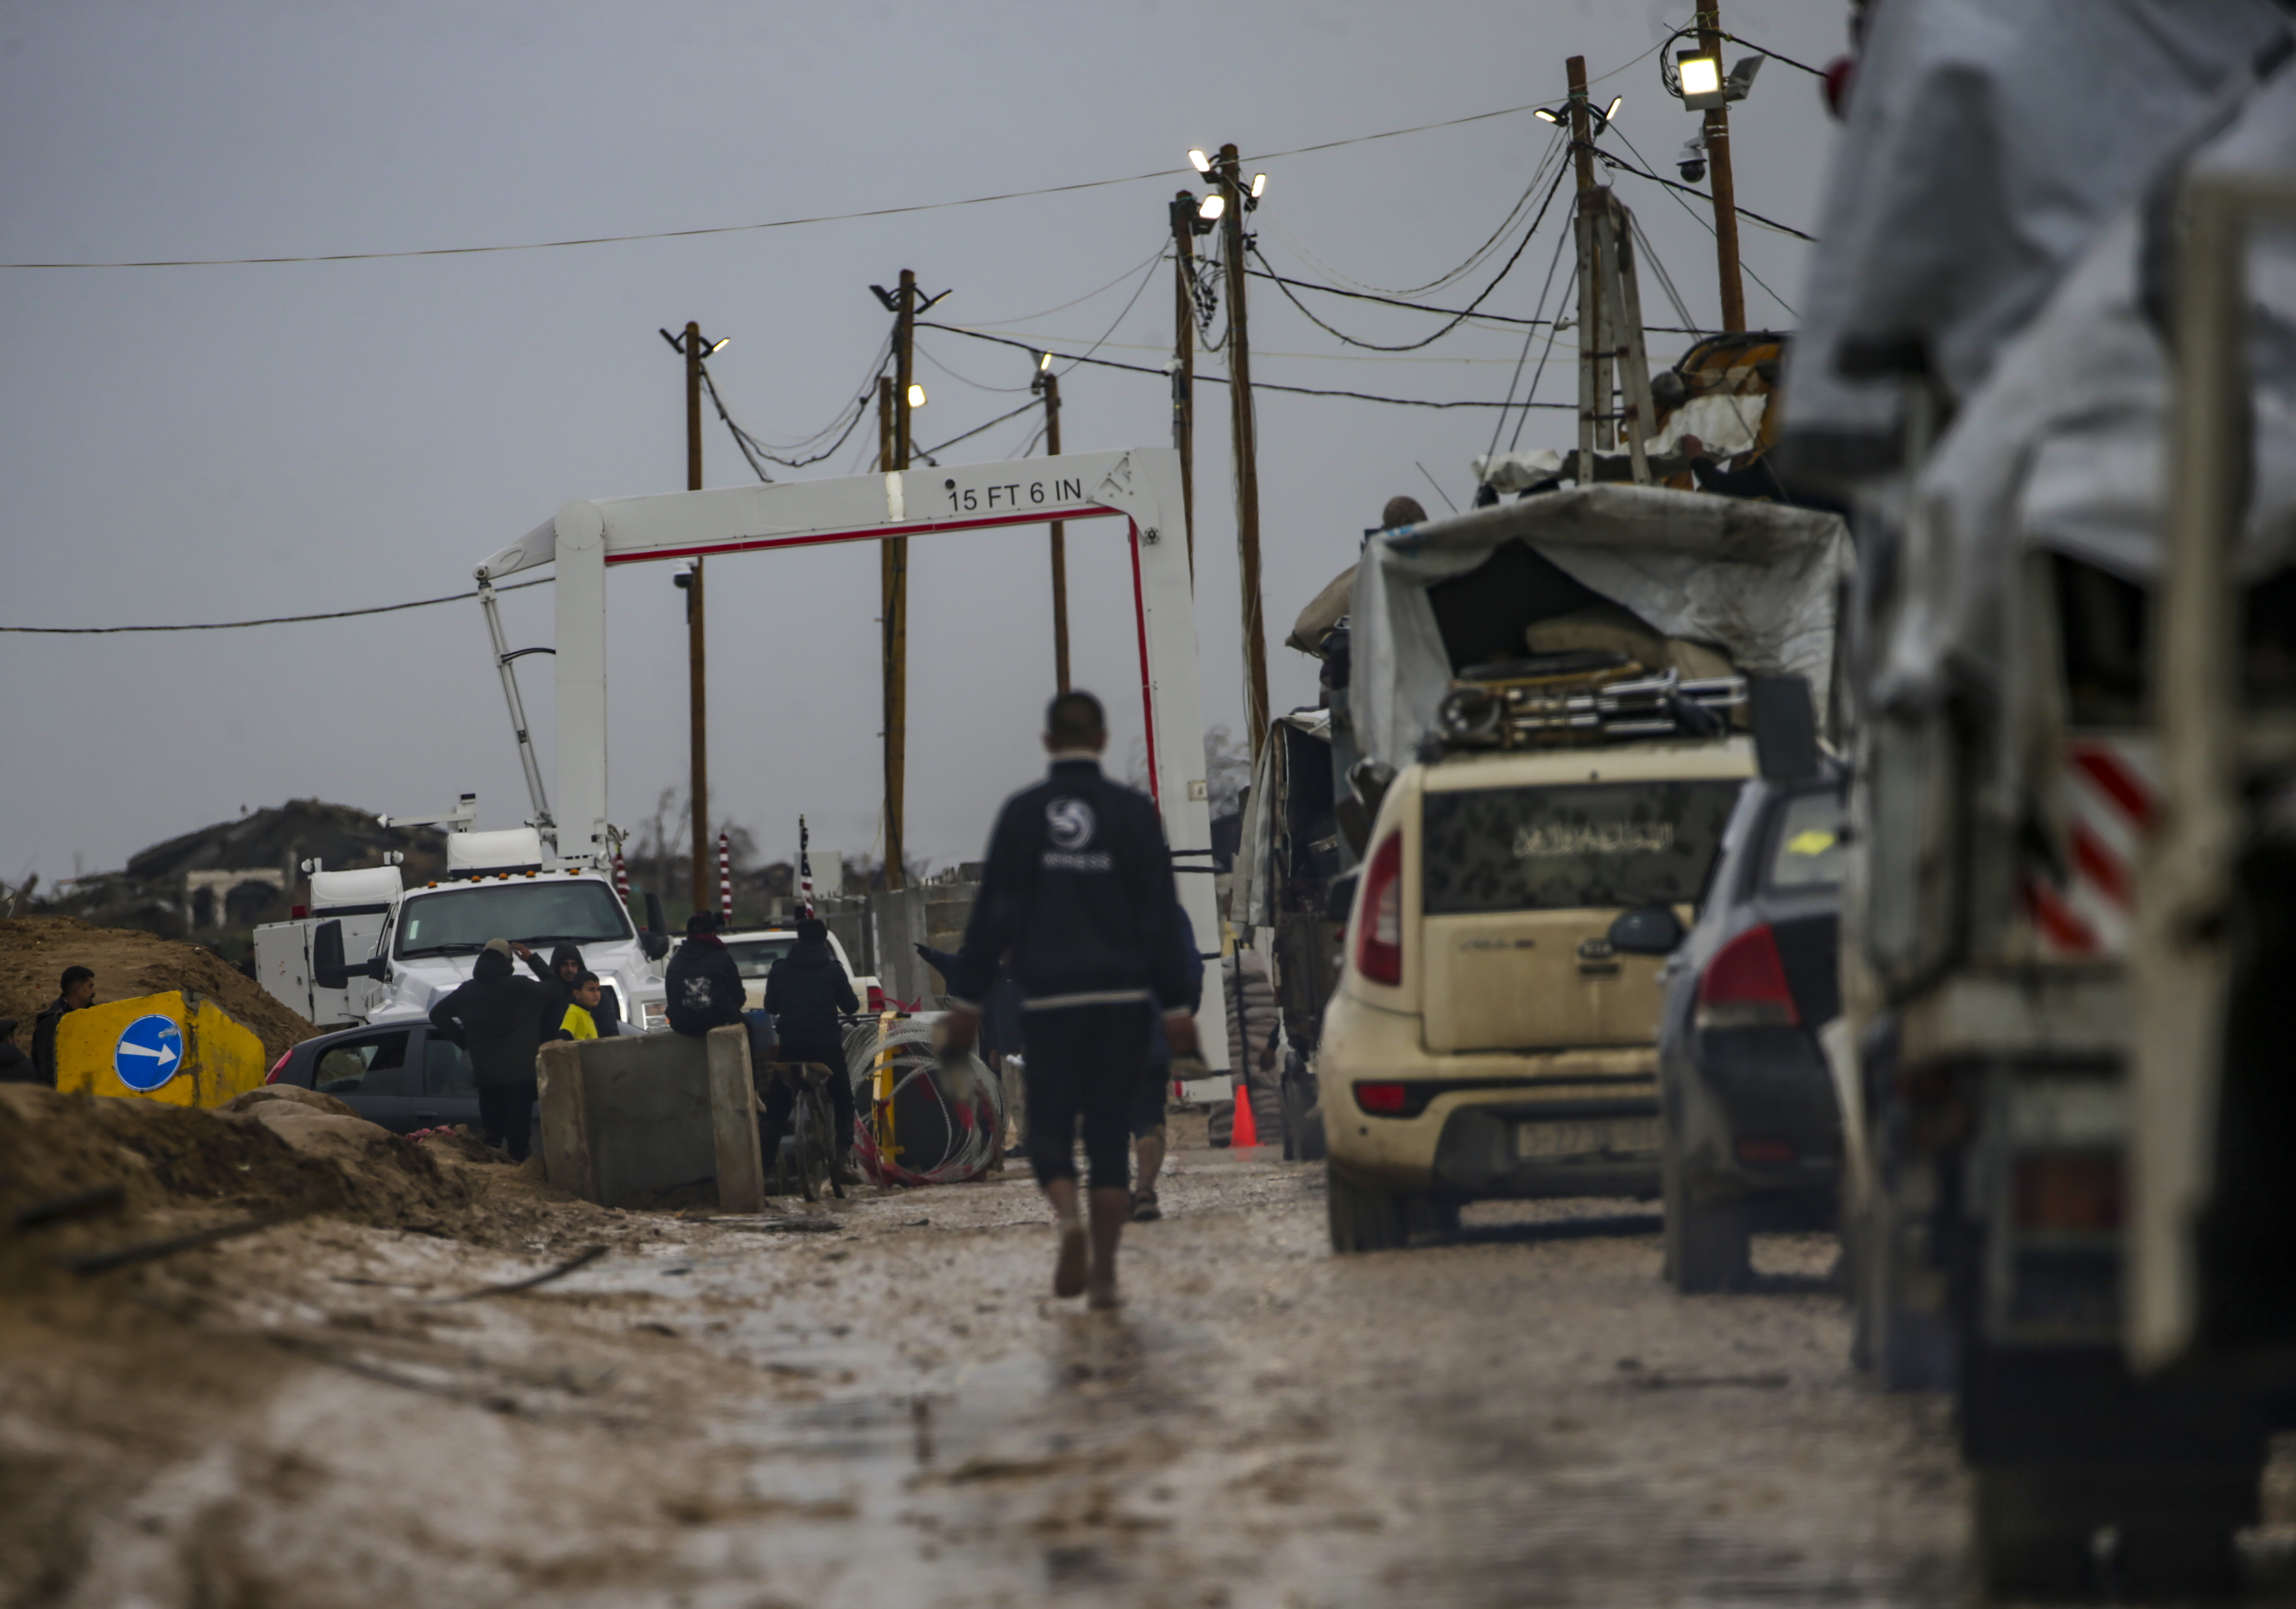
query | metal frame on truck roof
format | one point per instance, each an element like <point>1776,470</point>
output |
<point>1140,485</point>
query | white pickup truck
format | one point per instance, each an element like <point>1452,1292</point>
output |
<point>368,950</point>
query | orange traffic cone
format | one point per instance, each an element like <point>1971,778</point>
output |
<point>1244,1131</point>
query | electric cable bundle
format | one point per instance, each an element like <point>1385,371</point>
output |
<point>941,1133</point>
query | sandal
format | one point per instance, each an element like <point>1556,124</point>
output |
<point>1144,1209</point>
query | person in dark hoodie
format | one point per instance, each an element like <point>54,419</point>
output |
<point>15,1066</point>
<point>78,993</point>
<point>501,1019</point>
<point>563,976</point>
<point>807,992</point>
<point>703,985</point>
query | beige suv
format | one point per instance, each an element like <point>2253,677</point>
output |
<point>1486,1040</point>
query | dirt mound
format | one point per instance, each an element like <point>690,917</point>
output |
<point>275,1159</point>
<point>35,950</point>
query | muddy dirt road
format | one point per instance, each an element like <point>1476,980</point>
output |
<point>884,1407</point>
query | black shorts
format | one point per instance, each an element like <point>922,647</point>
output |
<point>1148,1105</point>
<point>1085,1065</point>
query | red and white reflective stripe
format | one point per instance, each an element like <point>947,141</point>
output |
<point>621,878</point>
<point>2109,797</point>
<point>725,877</point>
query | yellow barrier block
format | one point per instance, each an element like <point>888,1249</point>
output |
<point>179,1047</point>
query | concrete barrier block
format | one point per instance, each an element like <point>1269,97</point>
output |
<point>733,1122</point>
<point>565,1119</point>
<point>179,1048</point>
<point>625,1119</point>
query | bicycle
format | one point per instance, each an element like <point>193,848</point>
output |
<point>813,1125</point>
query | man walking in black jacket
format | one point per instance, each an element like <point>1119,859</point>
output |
<point>807,992</point>
<point>1078,897</point>
<point>501,1019</point>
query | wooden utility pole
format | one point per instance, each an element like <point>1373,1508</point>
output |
<point>1593,351</point>
<point>1726,191</point>
<point>1049,384</point>
<point>893,578</point>
<point>1184,358</point>
<point>1246,438</point>
<point>697,696</point>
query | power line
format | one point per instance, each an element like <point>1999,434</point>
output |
<point>1257,385</point>
<point>1505,269</point>
<point>1707,226</point>
<point>1644,173</point>
<point>1474,259</point>
<point>1814,72</point>
<point>276,620</point>
<point>1028,407</point>
<point>1496,318</point>
<point>782,223</point>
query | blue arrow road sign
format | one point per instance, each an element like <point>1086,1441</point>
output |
<point>150,1052</point>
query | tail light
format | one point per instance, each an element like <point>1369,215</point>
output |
<point>1379,942</point>
<point>1381,1100</point>
<point>876,999</point>
<point>277,1068</point>
<point>1745,985</point>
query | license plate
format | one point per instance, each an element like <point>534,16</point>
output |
<point>1620,1136</point>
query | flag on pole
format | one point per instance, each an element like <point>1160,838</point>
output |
<point>804,869</point>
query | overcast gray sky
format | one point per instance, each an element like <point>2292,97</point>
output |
<point>213,443</point>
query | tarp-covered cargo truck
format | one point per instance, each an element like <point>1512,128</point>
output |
<point>2000,421</point>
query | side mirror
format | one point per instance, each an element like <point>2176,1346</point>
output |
<point>653,921</point>
<point>1653,929</point>
<point>655,944</point>
<point>1785,727</point>
<point>327,968</point>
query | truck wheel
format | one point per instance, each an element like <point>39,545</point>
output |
<point>1363,1219</point>
<point>1430,1215</point>
<point>1313,1146</point>
<point>1708,1243</point>
<point>2040,1529</point>
<point>2030,1531</point>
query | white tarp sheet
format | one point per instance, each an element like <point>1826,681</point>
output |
<point>1258,841</point>
<point>1757,579</point>
<point>1987,143</point>
<point>2065,450</point>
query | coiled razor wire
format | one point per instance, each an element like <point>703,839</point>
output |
<point>975,1116</point>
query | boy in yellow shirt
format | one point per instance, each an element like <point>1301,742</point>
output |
<point>579,1024</point>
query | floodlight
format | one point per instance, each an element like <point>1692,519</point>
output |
<point>1044,362</point>
<point>1198,160</point>
<point>716,347</point>
<point>1701,79</point>
<point>917,396</point>
<point>1258,186</point>
<point>1611,110</point>
<point>1212,205</point>
<point>1545,115</point>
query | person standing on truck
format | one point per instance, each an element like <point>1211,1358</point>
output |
<point>807,992</point>
<point>501,1019</point>
<point>1148,1137</point>
<point>1079,894</point>
<point>77,992</point>
<point>703,984</point>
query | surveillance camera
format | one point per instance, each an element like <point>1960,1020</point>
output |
<point>1694,172</point>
